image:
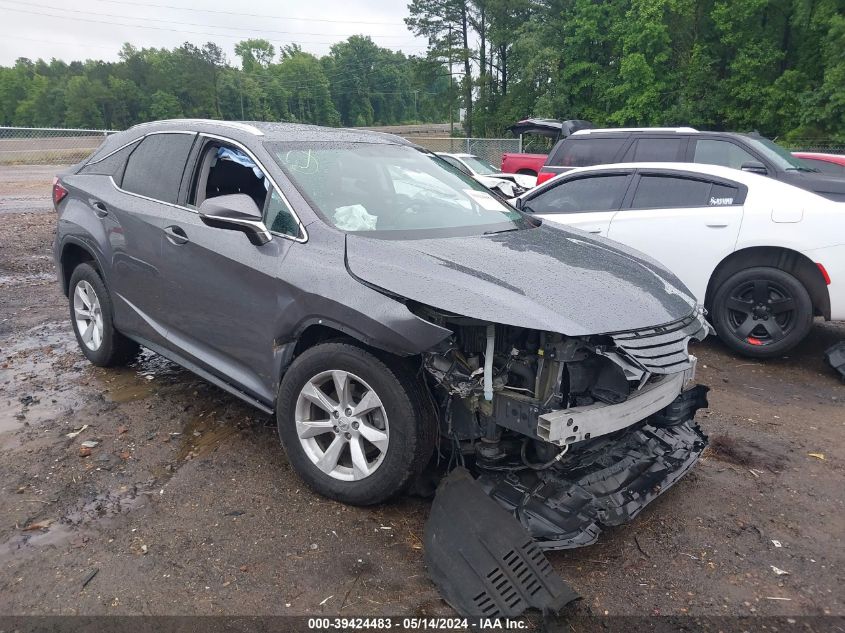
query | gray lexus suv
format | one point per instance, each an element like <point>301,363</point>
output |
<point>393,314</point>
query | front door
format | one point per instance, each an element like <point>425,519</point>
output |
<point>223,294</point>
<point>586,202</point>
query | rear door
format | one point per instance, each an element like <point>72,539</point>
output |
<point>656,149</point>
<point>687,222</point>
<point>147,192</point>
<point>587,201</point>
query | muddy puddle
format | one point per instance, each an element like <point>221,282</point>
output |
<point>45,378</point>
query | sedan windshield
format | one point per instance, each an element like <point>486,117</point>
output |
<point>370,187</point>
<point>479,166</point>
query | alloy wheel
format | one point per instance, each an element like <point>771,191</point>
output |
<point>761,312</point>
<point>88,315</point>
<point>342,425</point>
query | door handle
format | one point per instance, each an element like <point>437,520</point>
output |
<point>100,209</point>
<point>717,225</point>
<point>593,230</point>
<point>176,235</point>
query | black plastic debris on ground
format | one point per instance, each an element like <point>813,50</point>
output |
<point>835,357</point>
<point>605,483</point>
<point>482,560</point>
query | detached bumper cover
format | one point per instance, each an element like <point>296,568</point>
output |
<point>606,483</point>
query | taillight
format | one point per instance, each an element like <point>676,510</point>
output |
<point>543,176</point>
<point>59,192</point>
<point>824,274</point>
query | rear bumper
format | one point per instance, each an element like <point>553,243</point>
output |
<point>833,260</point>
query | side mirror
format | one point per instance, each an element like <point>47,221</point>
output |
<point>755,167</point>
<point>519,204</point>
<point>235,212</point>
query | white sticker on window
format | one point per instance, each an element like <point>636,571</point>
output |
<point>484,200</point>
<point>721,202</point>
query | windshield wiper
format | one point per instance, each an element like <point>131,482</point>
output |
<point>502,231</point>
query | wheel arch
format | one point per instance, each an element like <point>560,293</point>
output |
<point>72,255</point>
<point>788,260</point>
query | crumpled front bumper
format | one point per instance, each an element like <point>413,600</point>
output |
<point>605,483</point>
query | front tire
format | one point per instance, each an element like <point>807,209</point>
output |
<point>354,429</point>
<point>92,317</point>
<point>762,312</point>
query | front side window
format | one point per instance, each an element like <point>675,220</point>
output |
<point>725,153</point>
<point>595,193</point>
<point>385,188</point>
<point>665,192</point>
<point>226,170</point>
<point>155,168</point>
<point>279,218</point>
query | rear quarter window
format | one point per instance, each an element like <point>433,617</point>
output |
<point>112,164</point>
<point>155,168</point>
<point>583,152</point>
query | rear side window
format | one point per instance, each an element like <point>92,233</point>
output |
<point>725,153</point>
<point>583,152</point>
<point>112,165</point>
<point>664,192</point>
<point>723,195</point>
<point>596,193</point>
<point>647,150</point>
<point>155,168</point>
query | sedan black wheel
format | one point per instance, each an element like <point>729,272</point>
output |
<point>354,428</point>
<point>762,312</point>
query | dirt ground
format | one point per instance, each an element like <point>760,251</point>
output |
<point>188,506</point>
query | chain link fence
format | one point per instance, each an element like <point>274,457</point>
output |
<point>489,149</point>
<point>47,146</point>
<point>822,146</point>
<point>65,146</point>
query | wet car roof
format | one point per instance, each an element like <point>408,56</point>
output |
<point>268,131</point>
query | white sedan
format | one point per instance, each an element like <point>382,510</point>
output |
<point>509,184</point>
<point>762,256</point>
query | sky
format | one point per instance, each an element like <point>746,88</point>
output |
<point>96,29</point>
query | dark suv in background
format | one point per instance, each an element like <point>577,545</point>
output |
<point>749,152</point>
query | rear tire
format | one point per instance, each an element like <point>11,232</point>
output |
<point>92,317</point>
<point>345,444</point>
<point>762,312</point>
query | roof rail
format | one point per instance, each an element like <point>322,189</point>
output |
<point>686,130</point>
<point>244,127</point>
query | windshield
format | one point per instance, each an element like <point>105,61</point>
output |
<point>480,167</point>
<point>364,187</point>
<point>778,155</point>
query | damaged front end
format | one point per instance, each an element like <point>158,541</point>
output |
<point>569,434</point>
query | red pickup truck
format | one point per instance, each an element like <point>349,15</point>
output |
<point>530,164</point>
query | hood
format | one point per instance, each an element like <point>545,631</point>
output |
<point>825,185</point>
<point>546,278</point>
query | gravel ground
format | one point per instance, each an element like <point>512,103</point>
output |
<point>188,506</point>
